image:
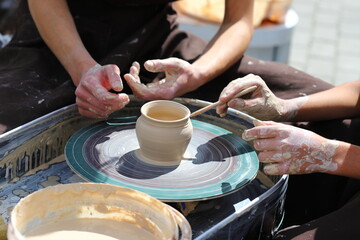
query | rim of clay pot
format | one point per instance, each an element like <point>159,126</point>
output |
<point>185,111</point>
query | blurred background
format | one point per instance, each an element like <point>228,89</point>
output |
<point>326,40</point>
<point>320,37</point>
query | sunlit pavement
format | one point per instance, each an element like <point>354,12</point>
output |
<point>326,41</point>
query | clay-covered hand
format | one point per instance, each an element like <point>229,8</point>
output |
<point>176,82</point>
<point>291,150</point>
<point>93,97</point>
<point>262,104</point>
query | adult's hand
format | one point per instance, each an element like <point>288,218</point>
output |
<point>262,104</point>
<point>177,81</point>
<point>290,150</point>
<point>93,97</point>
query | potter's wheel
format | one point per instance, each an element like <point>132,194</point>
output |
<point>217,162</point>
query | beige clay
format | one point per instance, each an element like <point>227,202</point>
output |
<point>164,131</point>
<point>89,229</point>
<point>94,211</point>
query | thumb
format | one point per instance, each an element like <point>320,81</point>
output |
<point>113,75</point>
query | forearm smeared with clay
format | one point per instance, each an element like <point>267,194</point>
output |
<point>287,149</point>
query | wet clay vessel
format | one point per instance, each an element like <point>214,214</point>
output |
<point>164,131</point>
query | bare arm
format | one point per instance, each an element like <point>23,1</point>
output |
<point>57,28</point>
<point>230,42</point>
<point>339,102</point>
<point>347,157</point>
<point>227,47</point>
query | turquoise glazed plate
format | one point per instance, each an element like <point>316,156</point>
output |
<point>217,162</point>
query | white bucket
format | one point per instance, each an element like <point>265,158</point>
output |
<point>95,211</point>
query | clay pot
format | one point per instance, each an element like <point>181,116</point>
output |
<point>95,211</point>
<point>164,131</point>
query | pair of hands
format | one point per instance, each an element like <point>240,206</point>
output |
<point>94,99</point>
<point>283,148</point>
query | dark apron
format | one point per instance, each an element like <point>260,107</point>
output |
<point>33,82</point>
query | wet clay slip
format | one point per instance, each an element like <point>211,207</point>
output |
<point>95,211</point>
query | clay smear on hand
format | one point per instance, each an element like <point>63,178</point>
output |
<point>303,155</point>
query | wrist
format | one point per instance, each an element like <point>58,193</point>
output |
<point>197,77</point>
<point>292,107</point>
<point>76,71</point>
<point>205,71</point>
<point>345,157</point>
<point>330,150</point>
<point>77,62</point>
